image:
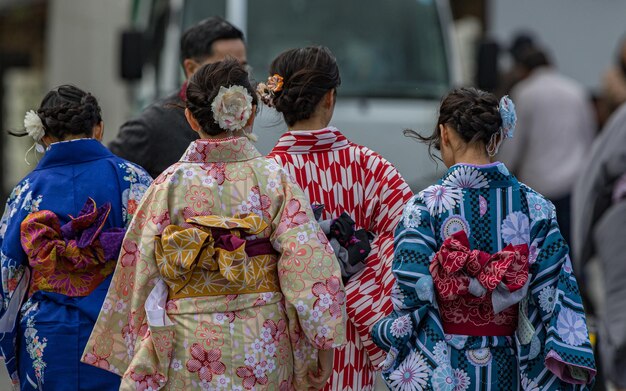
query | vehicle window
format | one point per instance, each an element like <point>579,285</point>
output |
<point>196,10</point>
<point>384,49</point>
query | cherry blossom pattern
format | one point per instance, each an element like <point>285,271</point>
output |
<point>330,296</point>
<point>147,382</point>
<point>293,216</point>
<point>205,363</point>
<point>199,199</point>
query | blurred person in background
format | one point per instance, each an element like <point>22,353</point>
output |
<point>522,42</point>
<point>160,134</point>
<point>555,128</point>
<point>345,178</point>
<point>226,280</point>
<point>487,298</point>
<point>599,218</point>
<point>614,81</point>
<point>60,237</point>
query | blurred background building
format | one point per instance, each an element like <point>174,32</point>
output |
<point>397,58</point>
<point>44,43</point>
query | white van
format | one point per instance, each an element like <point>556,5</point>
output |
<point>395,60</point>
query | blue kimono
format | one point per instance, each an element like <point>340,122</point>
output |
<point>485,298</point>
<point>59,241</point>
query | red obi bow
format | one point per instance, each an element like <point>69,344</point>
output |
<point>471,283</point>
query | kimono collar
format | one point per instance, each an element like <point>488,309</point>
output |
<point>464,175</point>
<point>307,141</point>
<point>73,152</point>
<point>233,149</point>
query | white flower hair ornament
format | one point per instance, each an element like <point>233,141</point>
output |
<point>34,128</point>
<point>232,107</point>
<point>508,115</point>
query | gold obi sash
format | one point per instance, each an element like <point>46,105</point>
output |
<point>210,258</point>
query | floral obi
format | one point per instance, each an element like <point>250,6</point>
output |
<point>212,257</point>
<point>74,258</point>
<point>477,292</point>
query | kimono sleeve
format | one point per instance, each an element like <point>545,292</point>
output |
<point>369,293</point>
<point>138,182</point>
<point>413,294</point>
<point>558,338</point>
<point>15,271</point>
<point>309,273</point>
<point>122,323</point>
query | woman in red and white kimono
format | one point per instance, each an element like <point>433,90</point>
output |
<point>343,177</point>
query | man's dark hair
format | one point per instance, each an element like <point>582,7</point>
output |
<point>533,58</point>
<point>197,41</point>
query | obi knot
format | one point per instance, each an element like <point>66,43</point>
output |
<point>474,286</point>
<point>74,258</point>
<point>215,249</point>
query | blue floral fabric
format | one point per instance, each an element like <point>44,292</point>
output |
<point>43,346</point>
<point>550,349</point>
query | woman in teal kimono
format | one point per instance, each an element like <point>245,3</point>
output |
<point>60,237</point>
<point>485,297</point>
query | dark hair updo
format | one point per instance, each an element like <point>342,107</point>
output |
<point>308,74</point>
<point>472,113</point>
<point>68,111</point>
<point>204,86</point>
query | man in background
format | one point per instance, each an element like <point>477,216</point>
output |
<point>554,131</point>
<point>159,136</point>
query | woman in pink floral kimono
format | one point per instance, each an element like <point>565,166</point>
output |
<point>225,280</point>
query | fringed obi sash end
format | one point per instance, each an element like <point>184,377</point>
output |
<point>212,258</point>
<point>72,259</point>
<point>478,293</point>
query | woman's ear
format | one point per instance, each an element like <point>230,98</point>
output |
<point>444,135</point>
<point>193,123</point>
<point>98,131</point>
<point>330,98</point>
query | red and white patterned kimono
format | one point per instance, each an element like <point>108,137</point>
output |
<point>350,178</point>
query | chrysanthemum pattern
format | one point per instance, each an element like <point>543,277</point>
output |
<point>439,199</point>
<point>411,375</point>
<point>466,177</point>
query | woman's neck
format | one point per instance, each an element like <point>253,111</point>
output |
<point>476,156</point>
<point>223,135</point>
<point>312,123</point>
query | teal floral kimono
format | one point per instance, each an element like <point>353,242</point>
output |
<point>485,297</point>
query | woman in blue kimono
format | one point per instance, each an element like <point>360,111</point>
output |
<point>60,236</point>
<point>485,297</point>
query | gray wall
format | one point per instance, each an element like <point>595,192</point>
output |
<point>82,49</point>
<point>582,35</point>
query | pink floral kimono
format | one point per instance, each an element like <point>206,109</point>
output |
<point>225,280</point>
